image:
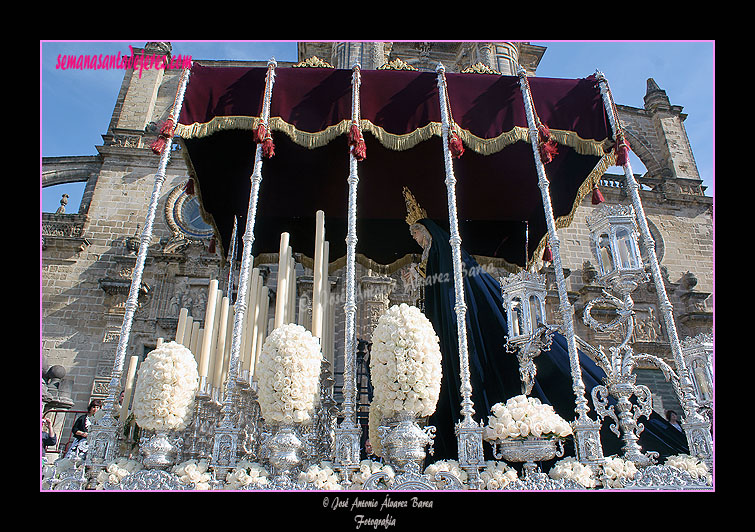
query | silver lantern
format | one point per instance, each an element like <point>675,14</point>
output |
<point>528,334</point>
<point>614,235</point>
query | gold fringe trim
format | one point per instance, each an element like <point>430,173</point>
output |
<point>389,140</point>
<point>608,160</point>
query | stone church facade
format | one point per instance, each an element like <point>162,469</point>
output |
<point>88,256</point>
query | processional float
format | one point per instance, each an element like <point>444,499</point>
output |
<point>227,429</point>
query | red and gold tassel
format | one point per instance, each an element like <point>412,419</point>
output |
<point>547,254</point>
<point>166,132</point>
<point>356,141</point>
<point>261,135</point>
<point>597,197</point>
<point>455,145</point>
<point>622,149</point>
<point>546,145</point>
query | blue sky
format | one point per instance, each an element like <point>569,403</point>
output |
<point>76,105</point>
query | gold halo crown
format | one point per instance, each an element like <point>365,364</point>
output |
<point>414,212</point>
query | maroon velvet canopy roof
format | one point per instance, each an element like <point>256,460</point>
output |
<point>497,191</point>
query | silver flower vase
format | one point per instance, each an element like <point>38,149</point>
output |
<point>404,442</point>
<point>528,450</point>
<point>159,449</point>
<point>283,448</point>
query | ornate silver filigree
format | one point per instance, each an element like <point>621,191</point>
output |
<point>404,442</point>
<point>665,477</point>
<point>152,480</point>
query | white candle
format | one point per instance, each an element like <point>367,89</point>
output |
<point>215,326</point>
<point>329,344</point>
<point>129,389</point>
<point>264,307</point>
<point>250,320</point>
<point>281,297</point>
<point>209,319</point>
<point>186,338</point>
<point>317,316</point>
<point>159,342</point>
<point>291,288</point>
<point>181,329</point>
<point>194,340</point>
<point>325,286</point>
<point>220,345</point>
<point>227,353</point>
<point>302,318</point>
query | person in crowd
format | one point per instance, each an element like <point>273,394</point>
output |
<point>49,438</point>
<point>80,430</point>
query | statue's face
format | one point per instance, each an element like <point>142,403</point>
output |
<point>419,233</point>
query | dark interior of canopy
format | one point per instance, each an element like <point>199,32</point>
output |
<point>497,195</point>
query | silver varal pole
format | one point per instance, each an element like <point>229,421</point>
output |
<point>226,437</point>
<point>348,432</point>
<point>103,436</point>
<point>586,431</point>
<point>469,433</point>
<point>696,426</point>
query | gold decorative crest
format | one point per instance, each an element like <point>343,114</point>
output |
<point>313,62</point>
<point>480,68</point>
<point>396,64</point>
<point>413,210</point>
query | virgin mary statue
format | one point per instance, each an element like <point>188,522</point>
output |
<point>494,372</point>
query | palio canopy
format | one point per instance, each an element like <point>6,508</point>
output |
<point>310,114</point>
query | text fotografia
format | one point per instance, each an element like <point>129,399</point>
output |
<point>134,61</point>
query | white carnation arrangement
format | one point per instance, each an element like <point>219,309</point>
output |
<point>164,393</point>
<point>497,475</point>
<point>321,476</point>
<point>696,468</point>
<point>288,375</point>
<point>521,417</point>
<point>447,466</point>
<point>405,367</point>
<point>246,473</point>
<point>617,471</point>
<point>116,471</point>
<point>367,468</point>
<point>571,469</point>
<point>195,471</point>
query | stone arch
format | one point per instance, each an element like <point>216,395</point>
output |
<point>640,148</point>
<point>76,169</point>
<point>61,170</point>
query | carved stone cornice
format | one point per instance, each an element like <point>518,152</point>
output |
<point>66,232</point>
